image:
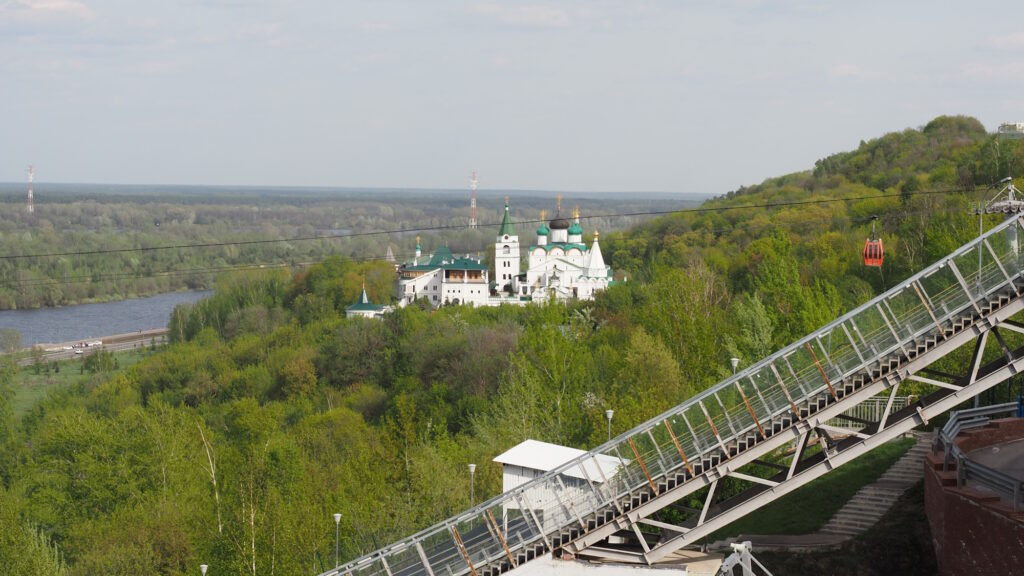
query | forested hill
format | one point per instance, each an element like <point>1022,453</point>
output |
<point>794,243</point>
<point>269,411</point>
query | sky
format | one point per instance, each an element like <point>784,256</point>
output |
<point>589,95</point>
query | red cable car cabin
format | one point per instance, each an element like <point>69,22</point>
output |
<point>873,253</point>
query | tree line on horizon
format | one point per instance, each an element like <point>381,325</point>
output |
<point>115,247</point>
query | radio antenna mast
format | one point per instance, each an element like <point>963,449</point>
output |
<point>472,200</point>
<point>31,178</point>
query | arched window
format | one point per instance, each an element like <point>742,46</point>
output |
<point>505,250</point>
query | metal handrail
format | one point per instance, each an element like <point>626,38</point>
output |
<point>917,309</point>
<point>1004,485</point>
<point>970,418</point>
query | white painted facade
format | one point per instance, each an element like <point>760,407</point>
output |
<point>561,266</point>
<point>531,459</point>
<point>443,279</point>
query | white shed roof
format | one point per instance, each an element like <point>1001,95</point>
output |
<point>545,457</point>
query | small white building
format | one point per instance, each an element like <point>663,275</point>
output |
<point>364,308</point>
<point>531,459</point>
<point>1011,131</point>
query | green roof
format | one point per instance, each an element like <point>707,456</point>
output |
<point>364,303</point>
<point>440,256</point>
<point>444,259</point>
<point>575,228</point>
<point>506,225</point>
<point>464,264</point>
<point>543,230</point>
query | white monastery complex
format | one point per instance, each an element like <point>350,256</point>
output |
<point>559,266</point>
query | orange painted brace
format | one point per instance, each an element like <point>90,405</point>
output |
<point>751,410</point>
<point>790,398</point>
<point>822,370</point>
<point>929,309</point>
<point>785,391</point>
<point>502,539</point>
<point>643,467</point>
<point>462,548</point>
<point>679,448</point>
<point>711,423</point>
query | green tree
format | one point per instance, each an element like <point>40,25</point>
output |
<point>24,548</point>
<point>10,345</point>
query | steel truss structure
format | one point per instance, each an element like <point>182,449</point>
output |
<point>730,435</point>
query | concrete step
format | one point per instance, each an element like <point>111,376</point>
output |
<point>855,519</point>
<point>854,523</point>
<point>859,526</point>
<point>871,502</point>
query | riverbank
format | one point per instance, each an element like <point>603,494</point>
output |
<point>114,343</point>
<point>159,334</point>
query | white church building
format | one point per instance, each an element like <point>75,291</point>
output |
<point>559,266</point>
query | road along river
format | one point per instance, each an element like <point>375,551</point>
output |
<point>114,343</point>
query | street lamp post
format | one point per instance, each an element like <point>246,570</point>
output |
<point>337,524</point>
<point>735,362</point>
<point>202,568</point>
<point>472,484</point>
<point>608,414</point>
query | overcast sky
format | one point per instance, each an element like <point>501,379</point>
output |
<point>587,96</point>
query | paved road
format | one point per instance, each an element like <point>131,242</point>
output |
<point>1007,457</point>
<point>114,343</point>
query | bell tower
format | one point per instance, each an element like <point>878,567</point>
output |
<point>506,255</point>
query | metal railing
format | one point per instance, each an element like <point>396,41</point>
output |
<point>536,514</point>
<point>1005,486</point>
<point>870,410</point>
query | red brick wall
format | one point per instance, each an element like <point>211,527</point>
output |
<point>997,432</point>
<point>971,534</point>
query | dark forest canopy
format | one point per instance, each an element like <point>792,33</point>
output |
<point>269,411</point>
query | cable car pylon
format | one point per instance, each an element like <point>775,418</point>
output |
<point>1007,201</point>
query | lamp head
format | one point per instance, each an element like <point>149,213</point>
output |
<point>202,568</point>
<point>609,413</point>
<point>472,468</point>
<point>337,518</point>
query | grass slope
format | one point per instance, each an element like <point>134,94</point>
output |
<point>806,509</point>
<point>901,543</point>
<point>30,387</point>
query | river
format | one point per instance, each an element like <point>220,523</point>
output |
<point>53,325</point>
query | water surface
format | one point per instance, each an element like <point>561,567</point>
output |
<point>52,325</point>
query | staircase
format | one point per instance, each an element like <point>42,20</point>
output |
<point>871,502</point>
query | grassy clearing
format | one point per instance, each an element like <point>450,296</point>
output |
<point>806,509</point>
<point>900,543</point>
<point>30,387</point>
